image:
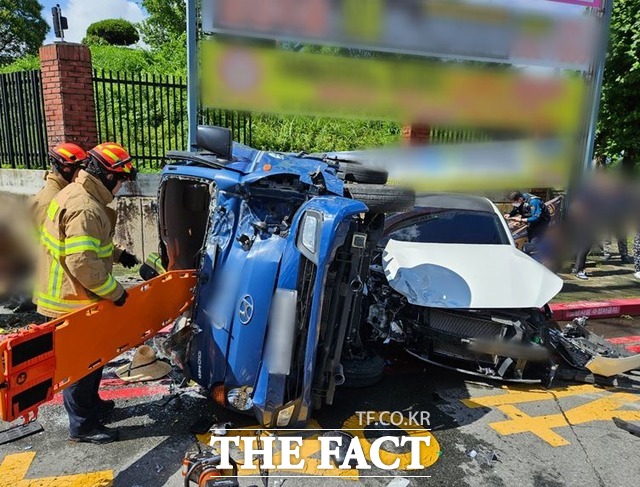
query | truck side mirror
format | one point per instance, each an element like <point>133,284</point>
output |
<point>215,139</point>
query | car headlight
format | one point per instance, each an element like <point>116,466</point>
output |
<point>309,236</point>
<point>284,416</point>
<point>309,231</point>
<point>240,398</point>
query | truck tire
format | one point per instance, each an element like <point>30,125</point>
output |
<point>382,199</point>
<point>362,372</point>
<point>355,172</point>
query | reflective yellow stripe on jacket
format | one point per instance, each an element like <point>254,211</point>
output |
<point>62,305</point>
<point>52,210</point>
<point>55,279</point>
<point>74,245</point>
<point>107,288</point>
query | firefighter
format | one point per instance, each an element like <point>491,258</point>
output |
<point>66,161</point>
<point>75,269</point>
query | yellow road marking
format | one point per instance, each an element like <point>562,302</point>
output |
<point>14,468</point>
<point>599,409</point>
<point>541,426</point>
<point>518,395</point>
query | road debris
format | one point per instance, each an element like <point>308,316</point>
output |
<point>398,482</point>
<point>625,425</point>
<point>484,456</point>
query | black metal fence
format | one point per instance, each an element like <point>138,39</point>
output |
<point>144,112</point>
<point>457,136</point>
<point>147,114</point>
<point>23,130</point>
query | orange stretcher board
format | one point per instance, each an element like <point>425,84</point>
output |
<point>41,360</point>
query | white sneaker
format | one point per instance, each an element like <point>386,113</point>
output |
<point>637,275</point>
<point>582,275</point>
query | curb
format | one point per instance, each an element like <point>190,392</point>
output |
<point>611,308</point>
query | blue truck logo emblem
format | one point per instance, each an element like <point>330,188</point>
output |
<point>245,310</point>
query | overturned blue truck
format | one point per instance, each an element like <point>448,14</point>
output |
<point>282,243</point>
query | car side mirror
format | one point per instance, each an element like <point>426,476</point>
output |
<point>218,140</point>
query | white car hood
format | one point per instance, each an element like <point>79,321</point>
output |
<point>468,276</point>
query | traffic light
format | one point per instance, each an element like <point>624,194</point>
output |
<point>59,22</point>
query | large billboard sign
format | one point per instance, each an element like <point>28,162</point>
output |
<point>488,166</point>
<point>455,29</point>
<point>449,94</point>
<point>582,3</point>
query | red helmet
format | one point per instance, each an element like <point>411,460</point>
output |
<point>68,154</point>
<point>115,159</point>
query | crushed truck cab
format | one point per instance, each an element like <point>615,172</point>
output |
<point>281,245</point>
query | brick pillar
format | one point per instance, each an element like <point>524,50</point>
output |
<point>416,134</point>
<point>68,94</point>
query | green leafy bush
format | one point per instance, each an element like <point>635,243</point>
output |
<point>118,58</point>
<point>312,134</point>
<point>25,63</point>
<point>115,32</point>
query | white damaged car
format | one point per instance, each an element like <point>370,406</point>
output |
<point>449,283</point>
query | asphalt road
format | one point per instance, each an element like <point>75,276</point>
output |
<point>559,437</point>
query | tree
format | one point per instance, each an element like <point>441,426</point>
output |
<point>115,32</point>
<point>167,21</point>
<point>22,29</point>
<point>619,122</point>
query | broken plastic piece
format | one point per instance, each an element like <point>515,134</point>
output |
<point>398,482</point>
<point>220,429</point>
<point>609,367</point>
<point>484,456</point>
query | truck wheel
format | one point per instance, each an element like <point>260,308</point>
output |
<point>362,372</point>
<point>382,199</point>
<point>355,172</point>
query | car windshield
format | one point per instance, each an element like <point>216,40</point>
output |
<point>453,227</point>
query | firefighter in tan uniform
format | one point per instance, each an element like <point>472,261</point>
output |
<point>66,161</point>
<point>75,269</point>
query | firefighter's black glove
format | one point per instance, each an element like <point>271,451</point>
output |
<point>122,299</point>
<point>128,260</point>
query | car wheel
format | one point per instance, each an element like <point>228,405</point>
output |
<point>382,199</point>
<point>363,372</point>
<point>355,172</point>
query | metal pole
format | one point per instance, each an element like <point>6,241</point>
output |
<point>192,72</point>
<point>598,74</point>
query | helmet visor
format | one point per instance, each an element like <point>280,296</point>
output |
<point>125,170</point>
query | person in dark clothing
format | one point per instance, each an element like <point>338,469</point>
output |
<point>532,210</point>
<point>636,255</point>
<point>549,249</point>
<point>623,248</point>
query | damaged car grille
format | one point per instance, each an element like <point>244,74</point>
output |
<point>449,329</point>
